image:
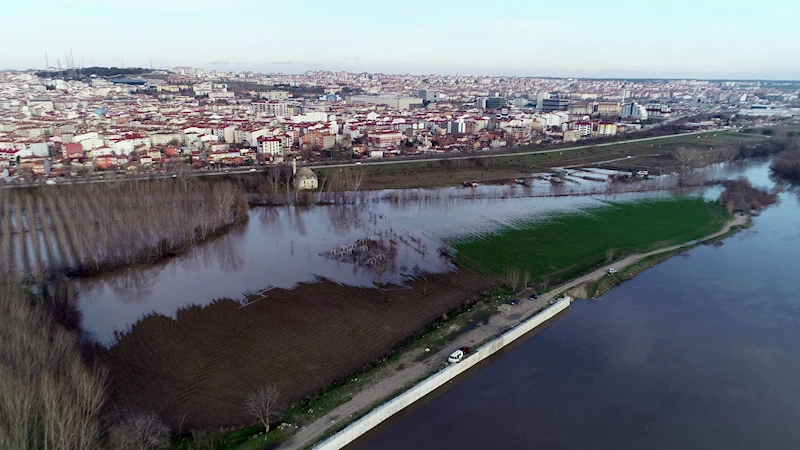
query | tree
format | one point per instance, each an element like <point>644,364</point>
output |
<point>141,431</point>
<point>261,403</point>
<point>687,160</point>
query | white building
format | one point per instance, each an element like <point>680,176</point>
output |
<point>278,109</point>
<point>270,146</point>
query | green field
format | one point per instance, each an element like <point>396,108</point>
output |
<point>567,245</point>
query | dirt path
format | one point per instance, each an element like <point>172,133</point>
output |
<point>393,379</point>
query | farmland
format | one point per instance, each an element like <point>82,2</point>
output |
<point>195,370</point>
<point>566,245</point>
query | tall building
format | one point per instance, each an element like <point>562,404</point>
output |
<point>633,110</point>
<point>429,96</point>
<point>554,104</point>
<point>495,102</point>
<point>541,96</point>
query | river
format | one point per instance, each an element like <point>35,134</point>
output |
<point>698,352</point>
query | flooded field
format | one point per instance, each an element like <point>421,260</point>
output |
<point>298,296</point>
<point>388,237</point>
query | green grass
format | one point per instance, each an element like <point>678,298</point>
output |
<point>570,244</point>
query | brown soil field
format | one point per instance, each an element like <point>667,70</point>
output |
<point>195,371</point>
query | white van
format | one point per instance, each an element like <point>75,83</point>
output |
<point>456,357</point>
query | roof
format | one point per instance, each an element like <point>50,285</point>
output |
<point>305,172</point>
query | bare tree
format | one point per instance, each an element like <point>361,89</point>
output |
<point>261,403</point>
<point>140,431</point>
<point>48,398</point>
<point>358,179</point>
<point>687,161</point>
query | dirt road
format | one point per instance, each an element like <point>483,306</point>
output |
<point>394,378</point>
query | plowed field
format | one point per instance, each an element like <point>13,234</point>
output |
<point>197,369</point>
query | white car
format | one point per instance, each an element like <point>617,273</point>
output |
<point>456,357</point>
<point>611,271</point>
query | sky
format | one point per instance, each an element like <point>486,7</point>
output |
<point>733,39</point>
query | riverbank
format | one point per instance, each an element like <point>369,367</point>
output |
<point>416,364</point>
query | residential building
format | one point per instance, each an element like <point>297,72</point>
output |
<point>607,129</point>
<point>270,146</point>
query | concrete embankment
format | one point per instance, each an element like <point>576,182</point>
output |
<point>425,387</point>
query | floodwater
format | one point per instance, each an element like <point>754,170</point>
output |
<point>699,352</point>
<point>388,236</point>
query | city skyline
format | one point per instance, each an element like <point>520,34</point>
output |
<point>621,39</point>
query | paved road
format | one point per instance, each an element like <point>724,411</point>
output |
<point>408,370</point>
<point>369,163</point>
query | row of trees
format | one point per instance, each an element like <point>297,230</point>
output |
<point>85,228</point>
<point>48,399</point>
<point>275,187</point>
<point>51,399</point>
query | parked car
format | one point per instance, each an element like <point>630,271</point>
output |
<point>456,357</point>
<point>513,301</point>
<point>252,170</point>
<point>466,350</point>
<point>611,271</point>
<point>534,296</point>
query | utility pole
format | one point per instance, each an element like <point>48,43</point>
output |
<point>46,62</point>
<point>59,63</point>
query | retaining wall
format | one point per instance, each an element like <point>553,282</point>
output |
<point>388,409</point>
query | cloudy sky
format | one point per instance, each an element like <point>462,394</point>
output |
<point>612,38</point>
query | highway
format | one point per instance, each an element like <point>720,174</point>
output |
<point>206,173</point>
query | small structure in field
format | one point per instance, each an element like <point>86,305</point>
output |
<point>304,179</point>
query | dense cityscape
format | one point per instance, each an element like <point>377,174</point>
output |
<point>77,122</point>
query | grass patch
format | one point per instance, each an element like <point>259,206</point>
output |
<point>570,244</point>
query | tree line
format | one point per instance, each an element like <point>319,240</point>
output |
<point>81,229</point>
